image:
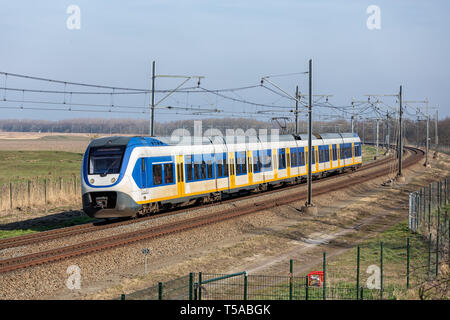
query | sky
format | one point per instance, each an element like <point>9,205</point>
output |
<point>232,44</point>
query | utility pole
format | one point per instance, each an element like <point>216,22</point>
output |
<point>309,206</point>
<point>436,142</point>
<point>400,142</point>
<point>376,156</point>
<point>426,164</point>
<point>309,199</point>
<point>387,132</point>
<point>296,111</point>
<point>152,116</point>
<point>353,116</point>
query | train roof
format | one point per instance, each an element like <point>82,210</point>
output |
<point>114,141</point>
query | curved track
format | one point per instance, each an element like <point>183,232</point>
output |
<point>88,247</point>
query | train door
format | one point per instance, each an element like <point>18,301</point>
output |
<point>232,170</point>
<point>353,152</point>
<point>180,175</point>
<point>250,167</point>
<point>288,161</point>
<point>316,152</point>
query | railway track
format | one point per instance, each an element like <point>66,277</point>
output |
<point>97,245</point>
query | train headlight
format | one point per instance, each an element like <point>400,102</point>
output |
<point>113,180</point>
<point>92,181</point>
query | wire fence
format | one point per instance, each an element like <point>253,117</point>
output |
<point>40,193</point>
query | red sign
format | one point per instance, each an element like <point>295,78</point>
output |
<point>315,278</point>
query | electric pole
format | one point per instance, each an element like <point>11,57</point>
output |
<point>376,156</point>
<point>428,135</point>
<point>353,116</point>
<point>152,116</point>
<point>400,142</point>
<point>436,142</point>
<point>296,111</point>
<point>309,199</point>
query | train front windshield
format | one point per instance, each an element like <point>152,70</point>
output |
<point>105,160</point>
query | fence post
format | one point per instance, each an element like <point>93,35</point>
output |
<point>191,283</point>
<point>407,262</point>
<point>45,192</point>
<point>429,208</point>
<point>122,297</point>
<point>29,192</point>
<point>362,293</point>
<point>429,255</point>
<point>10,196</point>
<point>357,272</point>
<point>424,209</point>
<point>381,270</point>
<point>160,291</point>
<point>291,272</point>
<point>245,285</point>
<point>437,241</point>
<point>324,275</point>
<point>306,287</point>
<point>445,190</point>
<point>199,286</point>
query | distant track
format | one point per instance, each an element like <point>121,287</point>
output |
<point>97,245</point>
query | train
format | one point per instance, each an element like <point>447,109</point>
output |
<point>124,176</point>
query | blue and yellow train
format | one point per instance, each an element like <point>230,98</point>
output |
<point>133,176</point>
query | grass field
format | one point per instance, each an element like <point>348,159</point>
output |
<point>368,152</point>
<point>19,232</point>
<point>23,165</point>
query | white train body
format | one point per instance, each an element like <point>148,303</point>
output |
<point>126,176</point>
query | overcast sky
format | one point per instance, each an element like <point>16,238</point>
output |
<point>232,44</point>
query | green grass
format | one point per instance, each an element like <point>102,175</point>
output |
<point>368,152</point>
<point>71,222</point>
<point>23,165</point>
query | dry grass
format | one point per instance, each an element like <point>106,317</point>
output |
<point>24,196</point>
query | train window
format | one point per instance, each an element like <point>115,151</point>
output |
<point>189,168</point>
<point>282,158</point>
<point>168,173</point>
<point>268,162</point>
<point>105,160</point>
<point>157,174</point>
<point>203,170</point>
<point>225,166</point>
<point>209,169</point>
<point>219,168</point>
<point>243,162</point>
<point>196,171</point>
<point>313,161</point>
<point>255,161</point>
<point>238,166</point>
